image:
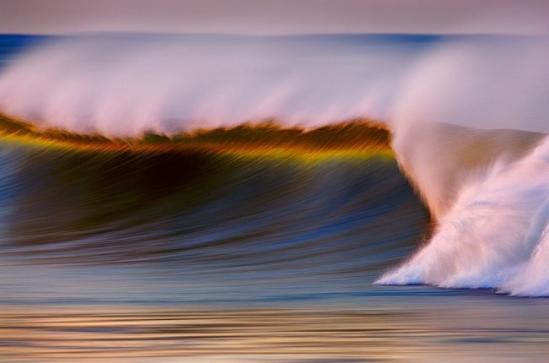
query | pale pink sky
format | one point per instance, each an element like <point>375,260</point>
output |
<point>275,16</point>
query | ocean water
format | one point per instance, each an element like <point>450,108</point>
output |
<point>193,256</point>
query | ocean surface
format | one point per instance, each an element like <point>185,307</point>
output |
<point>191,256</point>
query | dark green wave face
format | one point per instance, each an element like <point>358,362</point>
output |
<point>269,228</point>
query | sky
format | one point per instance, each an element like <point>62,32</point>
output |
<point>275,17</point>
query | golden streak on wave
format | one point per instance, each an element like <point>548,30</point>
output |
<point>355,139</point>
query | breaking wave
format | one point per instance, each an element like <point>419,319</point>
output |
<point>468,118</point>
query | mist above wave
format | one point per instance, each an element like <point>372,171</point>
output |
<point>126,85</point>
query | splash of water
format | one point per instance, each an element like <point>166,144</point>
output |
<point>493,232</point>
<point>488,189</point>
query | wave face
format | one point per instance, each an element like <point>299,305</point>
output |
<point>444,99</point>
<point>195,227</point>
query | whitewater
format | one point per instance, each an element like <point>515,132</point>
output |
<point>468,115</point>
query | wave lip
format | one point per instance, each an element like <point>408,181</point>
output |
<point>352,138</point>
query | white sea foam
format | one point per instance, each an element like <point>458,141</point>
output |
<point>493,234</point>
